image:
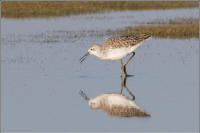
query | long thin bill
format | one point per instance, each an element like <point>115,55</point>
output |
<point>84,95</point>
<point>84,57</point>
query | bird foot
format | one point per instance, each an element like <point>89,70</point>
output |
<point>128,75</point>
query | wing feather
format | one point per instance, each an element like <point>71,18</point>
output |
<point>125,111</point>
<point>125,41</point>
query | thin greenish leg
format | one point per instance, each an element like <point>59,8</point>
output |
<point>122,84</point>
<point>122,68</point>
<point>133,96</point>
<point>130,58</point>
<point>133,54</point>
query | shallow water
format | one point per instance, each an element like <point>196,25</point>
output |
<point>41,78</point>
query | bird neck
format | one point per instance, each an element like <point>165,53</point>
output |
<point>98,52</point>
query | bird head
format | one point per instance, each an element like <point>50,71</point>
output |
<point>93,50</point>
<point>94,104</point>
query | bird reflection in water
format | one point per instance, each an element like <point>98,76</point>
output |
<point>116,104</point>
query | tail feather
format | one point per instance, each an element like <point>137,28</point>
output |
<point>146,36</point>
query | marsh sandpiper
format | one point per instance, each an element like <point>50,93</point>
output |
<point>116,48</point>
<point>115,104</point>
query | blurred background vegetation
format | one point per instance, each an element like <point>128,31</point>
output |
<point>178,28</point>
<point>23,9</point>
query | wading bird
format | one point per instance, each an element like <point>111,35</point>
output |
<point>116,48</point>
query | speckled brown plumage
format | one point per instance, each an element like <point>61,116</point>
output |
<point>125,41</point>
<point>124,111</point>
<point>121,110</point>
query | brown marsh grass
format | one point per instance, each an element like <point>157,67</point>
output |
<point>24,9</point>
<point>177,28</point>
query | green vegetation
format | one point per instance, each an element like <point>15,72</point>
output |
<point>24,9</point>
<point>178,28</point>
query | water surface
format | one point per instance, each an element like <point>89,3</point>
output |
<point>42,76</point>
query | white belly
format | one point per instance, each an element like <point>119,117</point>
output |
<point>120,100</point>
<point>118,53</point>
